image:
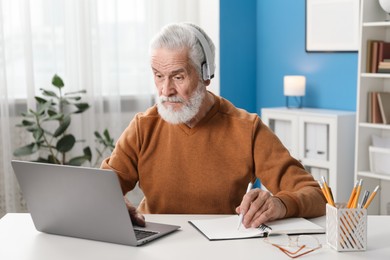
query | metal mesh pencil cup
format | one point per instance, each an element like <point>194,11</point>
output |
<point>346,229</point>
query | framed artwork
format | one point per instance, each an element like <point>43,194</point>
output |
<point>332,25</point>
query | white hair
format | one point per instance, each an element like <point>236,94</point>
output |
<point>181,36</point>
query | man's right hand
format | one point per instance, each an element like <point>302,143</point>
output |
<point>259,206</point>
<point>136,217</point>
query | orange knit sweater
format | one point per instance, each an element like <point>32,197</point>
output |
<point>206,169</point>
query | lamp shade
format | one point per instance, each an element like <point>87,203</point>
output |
<point>294,85</point>
<point>385,4</point>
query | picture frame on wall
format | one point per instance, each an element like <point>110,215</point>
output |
<point>332,25</point>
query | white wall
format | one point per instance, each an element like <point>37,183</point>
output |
<point>209,21</point>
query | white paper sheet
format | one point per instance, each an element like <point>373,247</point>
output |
<point>226,228</point>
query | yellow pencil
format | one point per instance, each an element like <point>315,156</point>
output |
<point>331,202</point>
<point>353,193</point>
<point>359,188</point>
<point>323,191</point>
<point>371,197</point>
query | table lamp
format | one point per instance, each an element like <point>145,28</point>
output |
<point>294,87</point>
<point>385,4</point>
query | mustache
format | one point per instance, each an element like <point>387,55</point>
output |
<point>176,99</point>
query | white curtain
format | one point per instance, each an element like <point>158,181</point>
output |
<point>97,45</point>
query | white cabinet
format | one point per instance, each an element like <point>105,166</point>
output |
<point>373,26</point>
<point>322,140</point>
<point>316,141</point>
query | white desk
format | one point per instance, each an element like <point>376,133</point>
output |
<point>19,240</point>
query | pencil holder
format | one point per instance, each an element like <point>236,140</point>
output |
<point>346,229</point>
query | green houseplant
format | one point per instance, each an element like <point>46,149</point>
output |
<point>55,112</point>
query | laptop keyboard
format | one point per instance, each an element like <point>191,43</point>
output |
<point>141,234</point>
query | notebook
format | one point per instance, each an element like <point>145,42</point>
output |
<point>226,228</point>
<point>81,202</point>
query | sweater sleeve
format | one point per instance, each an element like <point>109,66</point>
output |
<point>124,158</point>
<point>284,176</point>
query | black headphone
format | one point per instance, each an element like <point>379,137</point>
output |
<point>208,67</point>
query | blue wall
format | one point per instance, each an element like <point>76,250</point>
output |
<point>238,52</point>
<point>275,34</point>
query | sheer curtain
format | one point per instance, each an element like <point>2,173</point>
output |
<point>97,45</point>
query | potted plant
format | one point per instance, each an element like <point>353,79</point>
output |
<point>55,112</point>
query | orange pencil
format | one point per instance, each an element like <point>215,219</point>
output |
<point>323,191</point>
<point>353,193</point>
<point>371,197</point>
<point>331,202</point>
<point>359,188</point>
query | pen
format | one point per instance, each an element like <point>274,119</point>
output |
<point>242,215</point>
<point>371,197</point>
<point>364,198</point>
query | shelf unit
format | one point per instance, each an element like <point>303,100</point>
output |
<point>322,140</point>
<point>372,27</point>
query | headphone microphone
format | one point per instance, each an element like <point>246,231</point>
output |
<point>208,67</point>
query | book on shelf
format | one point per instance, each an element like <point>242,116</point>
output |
<point>384,65</point>
<point>383,51</point>
<point>369,107</point>
<point>369,55</point>
<point>374,57</point>
<point>383,70</point>
<point>374,113</point>
<point>384,106</point>
<point>378,56</point>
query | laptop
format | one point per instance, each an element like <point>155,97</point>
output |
<point>81,202</point>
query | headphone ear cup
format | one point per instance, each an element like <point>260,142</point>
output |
<point>208,66</point>
<point>205,74</point>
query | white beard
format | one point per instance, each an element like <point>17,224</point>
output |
<point>187,112</point>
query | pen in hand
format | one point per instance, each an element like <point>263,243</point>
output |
<point>241,214</point>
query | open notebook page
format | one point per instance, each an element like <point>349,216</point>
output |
<point>226,228</point>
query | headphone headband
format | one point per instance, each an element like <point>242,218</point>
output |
<point>208,67</point>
